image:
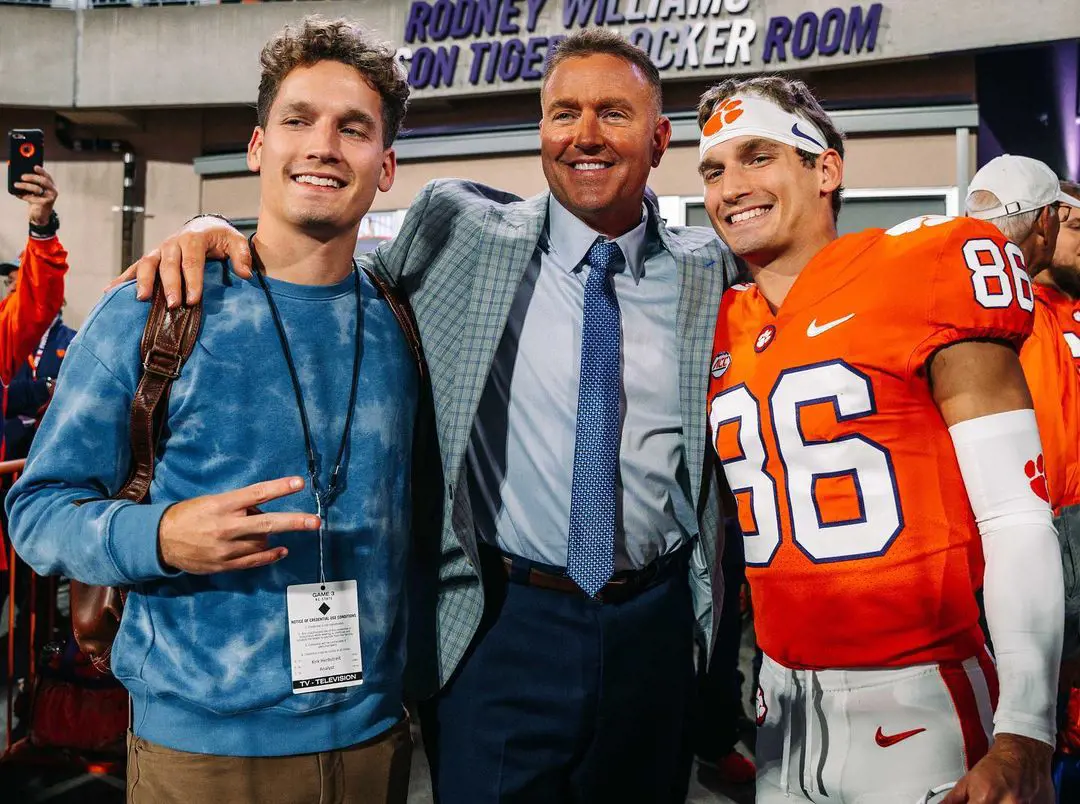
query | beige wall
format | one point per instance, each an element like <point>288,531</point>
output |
<point>38,53</point>
<point>172,139</point>
<point>231,196</point>
<point>172,197</point>
<point>927,160</point>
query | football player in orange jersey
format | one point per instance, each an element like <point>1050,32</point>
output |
<point>1021,197</point>
<point>871,414</point>
<point>1060,285</point>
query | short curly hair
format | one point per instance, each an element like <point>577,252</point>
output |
<point>793,96</point>
<point>316,39</point>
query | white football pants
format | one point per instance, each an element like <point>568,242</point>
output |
<point>870,736</point>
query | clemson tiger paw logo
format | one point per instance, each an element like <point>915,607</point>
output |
<point>764,338</point>
<point>1036,473</point>
<point>726,113</point>
<point>762,709</point>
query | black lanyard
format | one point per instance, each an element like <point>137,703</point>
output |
<point>323,497</point>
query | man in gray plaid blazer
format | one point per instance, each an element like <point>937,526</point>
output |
<point>573,503</point>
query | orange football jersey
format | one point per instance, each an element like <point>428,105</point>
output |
<point>861,547</point>
<point>1067,312</point>
<point>1055,390</point>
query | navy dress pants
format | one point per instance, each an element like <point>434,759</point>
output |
<point>562,699</point>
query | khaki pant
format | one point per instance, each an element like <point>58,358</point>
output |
<point>372,772</point>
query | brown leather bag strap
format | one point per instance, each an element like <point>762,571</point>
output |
<point>404,315</point>
<point>167,342</point>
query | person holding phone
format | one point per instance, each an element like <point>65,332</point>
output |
<point>27,312</point>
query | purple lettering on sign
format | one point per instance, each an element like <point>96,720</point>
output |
<point>533,55</point>
<point>641,38</point>
<point>509,11</point>
<point>664,57</point>
<point>493,62</point>
<point>510,60</point>
<point>441,13</point>
<point>479,50</point>
<point>577,12</point>
<point>487,17</point>
<point>670,47</point>
<point>433,68</point>
<point>832,31</point>
<point>462,20</point>
<point>634,12</point>
<point>419,14</point>
<point>776,39</point>
<point>806,30</point>
<point>535,7</point>
<point>865,31</point>
<point>687,53</point>
<point>611,15</point>
<point>420,67</point>
<point>445,66</point>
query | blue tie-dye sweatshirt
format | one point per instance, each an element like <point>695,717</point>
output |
<point>206,658</point>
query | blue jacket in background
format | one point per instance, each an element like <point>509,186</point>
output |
<point>206,658</point>
<point>28,390</point>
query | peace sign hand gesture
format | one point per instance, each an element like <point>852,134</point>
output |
<point>224,532</point>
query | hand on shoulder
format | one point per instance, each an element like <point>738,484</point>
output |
<point>181,259</point>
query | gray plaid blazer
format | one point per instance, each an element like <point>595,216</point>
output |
<point>459,257</point>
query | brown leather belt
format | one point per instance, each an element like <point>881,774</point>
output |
<point>623,586</point>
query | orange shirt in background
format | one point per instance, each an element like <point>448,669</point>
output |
<point>27,313</point>
<point>1055,389</point>
<point>1067,312</point>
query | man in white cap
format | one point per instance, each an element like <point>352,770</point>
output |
<point>1021,197</point>
<point>871,415</point>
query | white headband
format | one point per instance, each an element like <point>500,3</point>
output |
<point>755,116</point>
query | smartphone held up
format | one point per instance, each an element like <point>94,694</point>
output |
<point>26,150</point>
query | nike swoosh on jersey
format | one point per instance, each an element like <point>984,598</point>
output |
<point>885,740</point>
<point>814,330</point>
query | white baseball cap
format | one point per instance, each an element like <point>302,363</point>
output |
<point>1020,183</point>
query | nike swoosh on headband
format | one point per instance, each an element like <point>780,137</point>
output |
<point>797,133</point>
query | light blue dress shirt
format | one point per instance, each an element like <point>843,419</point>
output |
<point>521,451</point>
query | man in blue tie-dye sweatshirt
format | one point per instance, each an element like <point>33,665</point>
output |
<point>263,638</point>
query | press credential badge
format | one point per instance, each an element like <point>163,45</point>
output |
<point>324,636</point>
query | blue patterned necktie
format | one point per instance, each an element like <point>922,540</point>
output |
<point>590,552</point>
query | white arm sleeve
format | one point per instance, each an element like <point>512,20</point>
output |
<point>1023,589</point>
